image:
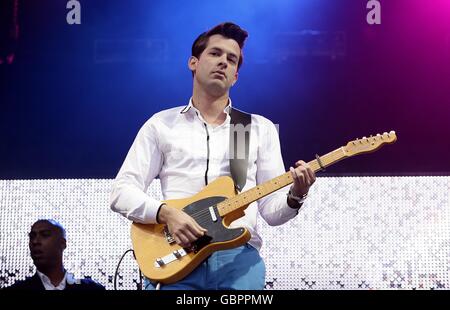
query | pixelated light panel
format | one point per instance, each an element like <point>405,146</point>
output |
<point>352,233</point>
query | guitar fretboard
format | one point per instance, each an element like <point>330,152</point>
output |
<point>268,187</point>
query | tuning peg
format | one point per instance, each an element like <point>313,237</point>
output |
<point>385,133</point>
<point>392,132</point>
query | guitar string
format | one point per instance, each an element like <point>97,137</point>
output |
<point>205,213</point>
<point>202,216</point>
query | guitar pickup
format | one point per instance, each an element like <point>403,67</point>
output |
<point>213,214</point>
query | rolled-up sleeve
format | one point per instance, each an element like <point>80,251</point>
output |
<point>273,208</point>
<point>142,164</point>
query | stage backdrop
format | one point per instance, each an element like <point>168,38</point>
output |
<point>353,233</point>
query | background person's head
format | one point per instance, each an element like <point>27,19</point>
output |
<point>47,241</point>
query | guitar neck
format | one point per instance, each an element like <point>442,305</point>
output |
<point>268,187</point>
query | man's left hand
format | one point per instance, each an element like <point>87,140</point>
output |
<point>303,177</point>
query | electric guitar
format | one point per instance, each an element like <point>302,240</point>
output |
<point>214,208</point>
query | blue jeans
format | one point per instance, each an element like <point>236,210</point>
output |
<point>241,268</point>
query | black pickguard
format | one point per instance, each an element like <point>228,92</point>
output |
<point>199,210</point>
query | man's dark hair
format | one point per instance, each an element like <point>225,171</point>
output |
<point>55,224</point>
<point>228,30</point>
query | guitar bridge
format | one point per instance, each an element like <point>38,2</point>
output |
<point>168,235</point>
<point>160,262</point>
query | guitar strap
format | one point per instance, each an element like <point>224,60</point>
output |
<point>239,140</point>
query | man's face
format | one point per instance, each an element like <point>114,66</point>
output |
<point>216,69</point>
<point>46,244</point>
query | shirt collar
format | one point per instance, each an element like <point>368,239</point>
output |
<point>191,107</point>
<point>48,283</point>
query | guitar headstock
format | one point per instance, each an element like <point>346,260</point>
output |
<point>370,144</point>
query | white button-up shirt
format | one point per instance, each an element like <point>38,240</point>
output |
<point>68,279</point>
<point>187,153</point>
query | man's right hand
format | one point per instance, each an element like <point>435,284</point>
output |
<point>183,228</point>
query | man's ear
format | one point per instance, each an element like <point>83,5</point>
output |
<point>235,78</point>
<point>63,243</point>
<point>192,63</point>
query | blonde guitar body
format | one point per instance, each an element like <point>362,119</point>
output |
<point>219,237</point>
